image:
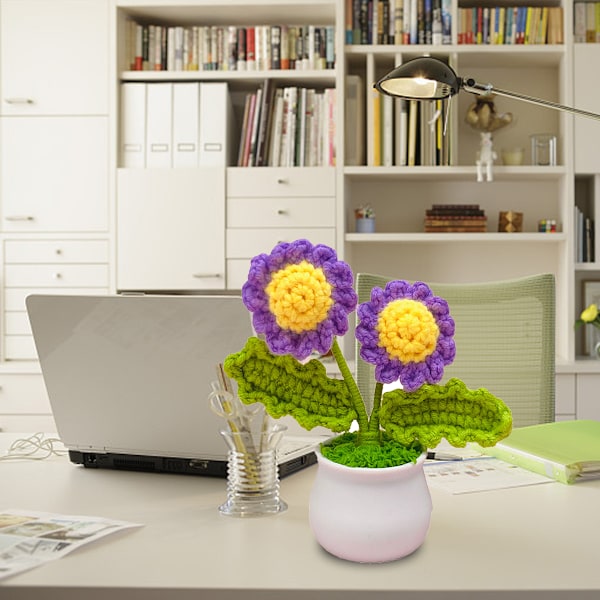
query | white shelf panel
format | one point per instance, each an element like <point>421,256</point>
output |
<point>432,238</point>
<point>302,77</point>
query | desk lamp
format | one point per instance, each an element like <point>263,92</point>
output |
<point>428,78</point>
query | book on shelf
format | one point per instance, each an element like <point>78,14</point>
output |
<point>455,218</point>
<point>229,47</point>
<point>510,25</point>
<point>567,451</point>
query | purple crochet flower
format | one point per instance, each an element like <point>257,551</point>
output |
<point>407,333</point>
<point>300,296</point>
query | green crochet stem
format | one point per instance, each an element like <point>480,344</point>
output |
<point>359,405</point>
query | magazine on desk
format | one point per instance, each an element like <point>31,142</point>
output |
<point>567,451</point>
<point>30,538</point>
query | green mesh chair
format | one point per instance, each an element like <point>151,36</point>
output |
<point>504,341</point>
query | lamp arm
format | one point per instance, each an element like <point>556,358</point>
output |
<point>469,85</point>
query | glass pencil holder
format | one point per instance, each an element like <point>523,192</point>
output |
<point>252,473</point>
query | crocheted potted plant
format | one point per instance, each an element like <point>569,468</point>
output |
<point>370,501</point>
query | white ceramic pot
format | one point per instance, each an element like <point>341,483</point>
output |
<point>370,515</point>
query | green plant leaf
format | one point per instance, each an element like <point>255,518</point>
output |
<point>450,411</point>
<point>287,387</point>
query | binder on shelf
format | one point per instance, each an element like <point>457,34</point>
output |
<point>133,125</point>
<point>186,124</point>
<point>159,130</point>
<point>568,451</point>
<point>215,124</point>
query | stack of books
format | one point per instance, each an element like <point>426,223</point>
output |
<point>459,218</point>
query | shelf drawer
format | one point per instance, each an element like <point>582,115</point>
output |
<point>246,243</point>
<point>55,251</point>
<point>237,273</point>
<point>16,323</point>
<point>280,182</point>
<point>56,276</point>
<point>281,212</point>
<point>19,347</point>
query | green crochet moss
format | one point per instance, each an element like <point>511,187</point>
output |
<point>450,411</point>
<point>287,387</point>
<point>389,453</point>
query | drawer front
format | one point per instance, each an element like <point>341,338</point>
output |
<point>19,347</point>
<point>56,276</point>
<point>246,243</point>
<point>281,212</point>
<point>55,251</point>
<point>14,298</point>
<point>23,394</point>
<point>280,182</point>
<point>16,323</point>
<point>237,273</point>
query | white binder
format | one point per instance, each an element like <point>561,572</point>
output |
<point>215,124</point>
<point>186,124</point>
<point>133,125</point>
<point>159,112</point>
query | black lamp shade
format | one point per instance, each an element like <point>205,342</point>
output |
<point>422,78</point>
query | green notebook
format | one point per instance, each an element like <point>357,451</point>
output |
<point>568,451</point>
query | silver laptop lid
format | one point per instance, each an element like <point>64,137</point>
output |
<point>131,374</point>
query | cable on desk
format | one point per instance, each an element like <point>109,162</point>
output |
<point>35,447</point>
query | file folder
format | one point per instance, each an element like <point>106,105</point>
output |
<point>133,125</point>
<point>215,124</point>
<point>159,103</point>
<point>186,124</point>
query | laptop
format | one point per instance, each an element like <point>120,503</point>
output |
<point>128,378</point>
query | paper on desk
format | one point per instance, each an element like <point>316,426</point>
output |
<point>29,539</point>
<point>478,475</point>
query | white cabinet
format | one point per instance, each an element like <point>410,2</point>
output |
<point>271,205</point>
<point>54,57</point>
<point>24,404</point>
<point>54,174</point>
<point>171,229</point>
<point>588,396</point>
<point>72,266</point>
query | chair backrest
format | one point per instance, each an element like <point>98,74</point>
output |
<point>504,341</point>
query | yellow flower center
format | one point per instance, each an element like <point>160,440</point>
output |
<point>407,330</point>
<point>299,297</point>
<point>590,313</point>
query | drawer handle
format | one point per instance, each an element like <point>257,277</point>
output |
<point>57,276</point>
<point>19,218</point>
<point>282,180</point>
<point>207,275</point>
<point>58,251</point>
<point>282,211</point>
<point>18,100</point>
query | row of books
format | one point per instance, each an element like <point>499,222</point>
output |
<point>510,25</point>
<point>455,218</point>
<point>230,48</point>
<point>408,133</point>
<point>584,237</point>
<point>398,22</point>
<point>586,22</point>
<point>288,127</point>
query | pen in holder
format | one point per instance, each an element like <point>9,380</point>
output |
<point>252,440</point>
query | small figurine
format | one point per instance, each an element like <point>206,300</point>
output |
<point>482,116</point>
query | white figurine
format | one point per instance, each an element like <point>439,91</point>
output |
<point>482,116</point>
<point>486,157</point>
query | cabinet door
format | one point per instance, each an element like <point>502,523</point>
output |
<point>586,96</point>
<point>54,57</point>
<point>588,400</point>
<point>54,174</point>
<point>171,229</point>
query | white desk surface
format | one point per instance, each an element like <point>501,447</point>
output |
<point>489,545</point>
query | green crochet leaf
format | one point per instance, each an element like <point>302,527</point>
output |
<point>287,387</point>
<point>450,411</point>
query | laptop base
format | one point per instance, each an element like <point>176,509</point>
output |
<point>180,466</point>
